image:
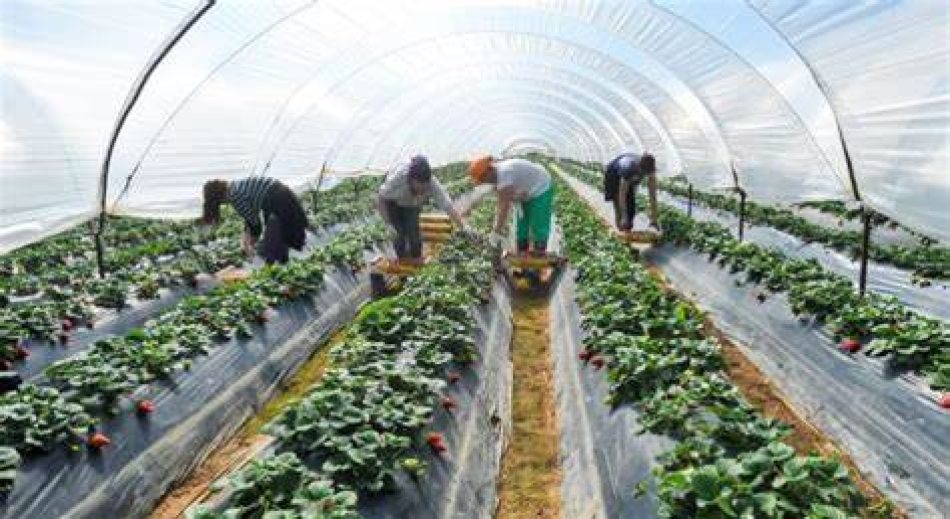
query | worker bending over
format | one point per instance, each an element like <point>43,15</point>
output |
<point>400,200</point>
<point>525,184</point>
<point>622,177</point>
<point>284,220</point>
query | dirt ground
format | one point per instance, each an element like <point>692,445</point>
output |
<point>530,482</point>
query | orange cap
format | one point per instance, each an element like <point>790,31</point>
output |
<point>478,169</point>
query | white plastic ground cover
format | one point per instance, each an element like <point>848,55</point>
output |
<point>282,87</point>
<point>195,411</point>
<point>888,425</point>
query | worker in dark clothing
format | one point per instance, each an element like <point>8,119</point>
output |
<point>622,177</point>
<point>268,207</point>
<point>400,201</point>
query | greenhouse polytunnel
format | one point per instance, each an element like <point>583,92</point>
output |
<point>474,259</point>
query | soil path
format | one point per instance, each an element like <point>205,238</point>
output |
<point>530,483</point>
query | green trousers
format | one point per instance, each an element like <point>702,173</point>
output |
<point>534,220</point>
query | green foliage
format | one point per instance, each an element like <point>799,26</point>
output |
<point>282,487</point>
<point>729,460</point>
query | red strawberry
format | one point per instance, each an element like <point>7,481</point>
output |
<point>98,440</point>
<point>448,403</point>
<point>597,361</point>
<point>585,355</point>
<point>20,353</point>
<point>437,442</point>
<point>145,407</point>
<point>850,344</point>
<point>454,376</point>
<point>944,401</point>
<point>68,324</point>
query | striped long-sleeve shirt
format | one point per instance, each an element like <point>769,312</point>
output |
<point>246,196</point>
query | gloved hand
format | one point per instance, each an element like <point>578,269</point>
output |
<point>496,240</point>
<point>471,234</point>
<point>391,232</point>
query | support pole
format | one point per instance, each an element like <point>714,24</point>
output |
<point>742,197</point>
<point>865,251</point>
<point>689,201</point>
<point>315,194</point>
<point>130,101</point>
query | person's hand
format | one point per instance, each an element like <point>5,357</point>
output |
<point>471,234</point>
<point>247,245</point>
<point>496,240</point>
<point>391,232</point>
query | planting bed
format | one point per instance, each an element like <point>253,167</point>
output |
<point>412,412</point>
<point>719,455</point>
<point>891,427</point>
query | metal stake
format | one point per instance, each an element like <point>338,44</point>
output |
<point>865,251</point>
<point>742,196</point>
<point>689,201</point>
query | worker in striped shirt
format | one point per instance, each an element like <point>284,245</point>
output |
<point>274,219</point>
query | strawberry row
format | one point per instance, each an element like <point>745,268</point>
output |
<point>925,260</point>
<point>72,291</point>
<point>729,460</point>
<point>360,423</point>
<point>35,418</point>
<point>881,323</point>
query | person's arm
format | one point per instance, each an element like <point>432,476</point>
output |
<point>444,202</point>
<point>654,210</point>
<point>252,231</point>
<point>383,211</point>
<point>505,200</point>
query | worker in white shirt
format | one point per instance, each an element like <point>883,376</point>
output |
<point>400,200</point>
<point>527,186</point>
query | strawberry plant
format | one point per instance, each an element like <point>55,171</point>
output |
<point>9,462</point>
<point>281,486</point>
<point>729,460</point>
<point>913,341</point>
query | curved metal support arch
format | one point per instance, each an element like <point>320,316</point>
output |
<point>788,106</point>
<point>532,101</point>
<point>709,124</point>
<point>199,85</point>
<point>825,91</point>
<point>422,113</point>
<point>476,138</point>
<point>368,108</point>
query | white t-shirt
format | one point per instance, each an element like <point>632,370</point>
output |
<point>528,178</point>
<point>396,188</point>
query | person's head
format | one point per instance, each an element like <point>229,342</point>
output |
<point>215,193</point>
<point>482,170</point>
<point>420,174</point>
<point>647,164</point>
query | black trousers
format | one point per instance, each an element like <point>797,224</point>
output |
<point>408,241</point>
<point>285,225</point>
<point>625,224</point>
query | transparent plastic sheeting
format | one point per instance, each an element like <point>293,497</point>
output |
<point>282,87</point>
<point>888,424</point>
